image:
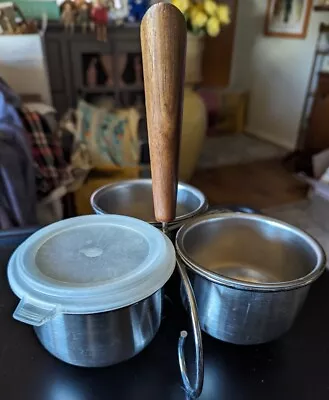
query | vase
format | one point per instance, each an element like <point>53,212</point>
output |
<point>194,53</point>
<point>194,128</point>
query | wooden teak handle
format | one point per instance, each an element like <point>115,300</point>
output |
<point>163,38</point>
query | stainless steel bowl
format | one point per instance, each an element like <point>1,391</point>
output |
<point>250,274</point>
<point>134,198</point>
<point>103,339</point>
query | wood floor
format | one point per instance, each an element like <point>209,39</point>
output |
<point>260,184</point>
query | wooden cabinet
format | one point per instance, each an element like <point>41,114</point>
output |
<point>318,132</point>
<point>70,55</point>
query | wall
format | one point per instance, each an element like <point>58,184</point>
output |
<point>275,71</point>
<point>22,65</point>
<point>36,8</point>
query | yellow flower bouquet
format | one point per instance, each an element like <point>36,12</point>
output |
<point>204,16</point>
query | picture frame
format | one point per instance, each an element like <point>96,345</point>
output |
<point>287,18</point>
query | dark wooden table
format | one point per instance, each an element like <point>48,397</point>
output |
<point>294,367</point>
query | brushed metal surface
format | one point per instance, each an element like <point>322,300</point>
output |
<point>103,339</point>
<point>244,316</point>
<point>250,274</point>
<point>134,198</point>
<point>250,251</point>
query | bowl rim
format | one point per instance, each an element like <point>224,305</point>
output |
<point>147,181</point>
<point>314,274</point>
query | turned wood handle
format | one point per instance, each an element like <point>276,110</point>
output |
<point>163,38</point>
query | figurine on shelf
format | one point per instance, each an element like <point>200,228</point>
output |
<point>122,63</point>
<point>119,11</point>
<point>137,9</point>
<point>68,15</point>
<point>7,18</point>
<point>106,62</point>
<point>99,14</point>
<point>5,25</point>
<point>83,17</point>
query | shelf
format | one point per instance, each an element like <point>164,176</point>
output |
<point>323,52</point>
<point>324,28</point>
<point>107,89</point>
<point>131,88</point>
<point>321,8</point>
<point>56,25</point>
<point>97,89</point>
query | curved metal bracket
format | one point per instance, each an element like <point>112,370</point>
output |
<point>193,391</point>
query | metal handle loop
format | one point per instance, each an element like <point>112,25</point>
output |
<point>193,391</point>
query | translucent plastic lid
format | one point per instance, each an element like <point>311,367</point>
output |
<point>88,264</point>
